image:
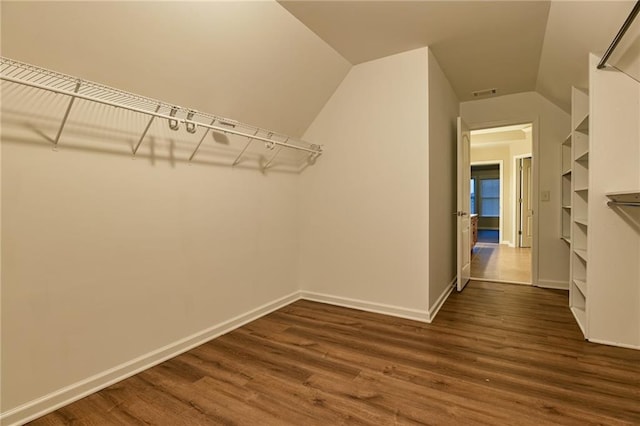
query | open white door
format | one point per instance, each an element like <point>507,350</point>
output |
<point>464,204</point>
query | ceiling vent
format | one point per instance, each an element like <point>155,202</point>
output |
<point>485,92</point>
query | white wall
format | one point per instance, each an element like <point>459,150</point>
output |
<point>376,226</point>
<point>443,113</point>
<point>364,211</point>
<point>553,128</point>
<point>613,277</point>
<point>106,259</point>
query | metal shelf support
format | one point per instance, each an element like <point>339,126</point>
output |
<point>66,114</point>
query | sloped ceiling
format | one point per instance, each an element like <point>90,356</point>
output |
<point>261,63</point>
<point>249,61</point>
<point>514,46</point>
<point>573,31</point>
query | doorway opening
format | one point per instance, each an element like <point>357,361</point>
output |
<point>502,203</point>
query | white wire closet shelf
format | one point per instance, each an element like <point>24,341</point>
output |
<point>178,117</point>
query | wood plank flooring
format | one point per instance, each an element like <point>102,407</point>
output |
<point>495,354</point>
<point>501,262</point>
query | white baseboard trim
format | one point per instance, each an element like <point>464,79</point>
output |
<point>435,308</point>
<point>553,284</point>
<point>363,305</point>
<point>57,399</point>
<point>508,243</point>
<point>620,345</point>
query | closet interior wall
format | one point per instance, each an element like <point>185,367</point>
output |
<point>109,263</point>
<point>106,259</point>
<point>364,212</point>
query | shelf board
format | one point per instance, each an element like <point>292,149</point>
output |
<point>566,172</point>
<point>582,189</point>
<point>582,286</point>
<point>581,318</point>
<point>582,254</point>
<point>583,156</point>
<point>581,221</point>
<point>583,127</point>
<point>567,141</point>
<point>566,207</point>
<point>624,196</point>
<point>566,240</point>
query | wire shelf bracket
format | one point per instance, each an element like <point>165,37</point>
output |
<point>206,132</point>
<point>146,129</point>
<point>273,157</point>
<point>66,115</point>
<point>237,160</point>
<point>40,78</point>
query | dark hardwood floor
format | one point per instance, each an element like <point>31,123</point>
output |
<point>496,354</point>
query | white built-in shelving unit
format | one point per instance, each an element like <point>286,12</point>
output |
<point>600,163</point>
<point>575,213</point>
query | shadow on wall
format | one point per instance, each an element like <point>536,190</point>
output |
<point>35,120</point>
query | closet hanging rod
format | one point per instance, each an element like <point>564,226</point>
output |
<point>625,26</point>
<point>134,103</point>
<point>623,198</point>
<point>621,203</point>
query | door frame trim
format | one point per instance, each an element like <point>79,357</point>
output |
<point>535,154</point>
<point>517,178</point>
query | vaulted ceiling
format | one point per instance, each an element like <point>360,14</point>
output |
<point>251,61</point>
<point>513,46</point>
<point>261,63</point>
